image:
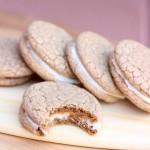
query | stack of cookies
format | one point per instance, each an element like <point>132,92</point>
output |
<point>13,69</point>
<point>78,73</point>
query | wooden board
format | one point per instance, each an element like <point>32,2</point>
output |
<point>124,126</point>
<point>17,143</point>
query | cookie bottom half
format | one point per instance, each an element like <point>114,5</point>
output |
<point>66,115</point>
<point>13,81</point>
<point>128,90</point>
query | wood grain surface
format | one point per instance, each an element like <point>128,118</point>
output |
<point>8,142</point>
<point>124,126</point>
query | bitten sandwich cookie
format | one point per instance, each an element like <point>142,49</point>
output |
<point>13,69</point>
<point>130,67</point>
<point>43,48</point>
<point>88,58</point>
<point>48,103</point>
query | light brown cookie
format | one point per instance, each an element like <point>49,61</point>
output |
<point>43,48</point>
<point>13,81</point>
<point>130,67</point>
<point>49,103</point>
<point>88,58</point>
<point>13,69</point>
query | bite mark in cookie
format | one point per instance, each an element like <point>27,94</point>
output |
<point>48,103</point>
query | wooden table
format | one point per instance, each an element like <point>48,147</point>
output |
<point>8,142</point>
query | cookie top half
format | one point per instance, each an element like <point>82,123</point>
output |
<point>46,98</point>
<point>49,42</point>
<point>94,51</point>
<point>11,62</point>
<point>133,59</point>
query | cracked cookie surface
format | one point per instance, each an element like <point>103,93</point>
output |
<point>133,77</point>
<point>93,52</point>
<point>134,61</point>
<point>13,69</point>
<point>49,42</point>
<point>42,100</point>
<point>11,62</point>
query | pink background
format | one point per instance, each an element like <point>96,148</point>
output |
<point>116,19</point>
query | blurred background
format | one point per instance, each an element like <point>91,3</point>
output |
<point>115,19</point>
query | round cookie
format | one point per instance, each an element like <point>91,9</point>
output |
<point>43,48</point>
<point>88,58</point>
<point>130,67</point>
<point>48,103</point>
<point>13,69</point>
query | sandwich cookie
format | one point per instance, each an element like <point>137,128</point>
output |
<point>43,48</point>
<point>13,69</point>
<point>88,58</point>
<point>130,67</point>
<point>49,103</point>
